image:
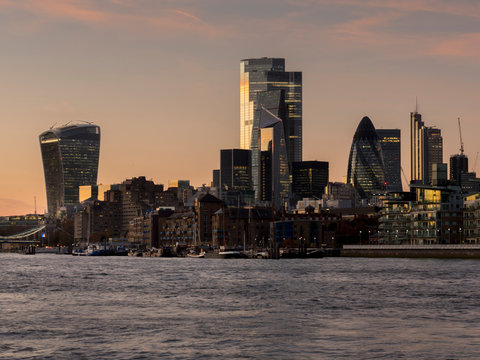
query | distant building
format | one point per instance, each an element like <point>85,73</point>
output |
<point>235,176</point>
<point>458,165</point>
<point>432,151</point>
<point>309,179</point>
<point>426,149</point>
<point>95,192</point>
<point>70,159</point>
<point>265,75</point>
<point>391,149</point>
<point>365,164</point>
<point>275,175</point>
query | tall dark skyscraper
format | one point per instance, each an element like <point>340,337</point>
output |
<point>70,159</point>
<point>309,179</point>
<point>235,169</point>
<point>458,165</point>
<point>391,149</point>
<point>268,74</point>
<point>365,164</point>
<point>432,151</point>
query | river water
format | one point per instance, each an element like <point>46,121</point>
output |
<point>65,307</point>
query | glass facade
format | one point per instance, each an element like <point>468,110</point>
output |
<point>274,167</point>
<point>365,164</point>
<point>309,179</point>
<point>70,159</point>
<point>390,142</point>
<point>235,169</point>
<point>267,74</point>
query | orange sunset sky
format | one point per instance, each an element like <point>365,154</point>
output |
<point>161,78</point>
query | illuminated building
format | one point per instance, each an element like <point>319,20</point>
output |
<point>263,75</point>
<point>235,177</point>
<point>365,164</point>
<point>426,149</point>
<point>70,159</point>
<point>390,142</point>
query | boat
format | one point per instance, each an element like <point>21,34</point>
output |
<point>195,255</point>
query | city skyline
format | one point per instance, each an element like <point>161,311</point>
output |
<point>133,70</point>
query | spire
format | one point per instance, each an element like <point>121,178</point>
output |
<point>416,105</point>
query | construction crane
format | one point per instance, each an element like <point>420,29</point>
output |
<point>461,141</point>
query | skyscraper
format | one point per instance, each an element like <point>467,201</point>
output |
<point>234,170</point>
<point>432,151</point>
<point>70,159</point>
<point>274,175</point>
<point>309,179</point>
<point>416,158</point>
<point>390,142</point>
<point>365,164</point>
<point>267,74</point>
<point>426,149</point>
<point>458,165</point>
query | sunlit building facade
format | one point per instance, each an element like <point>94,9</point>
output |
<point>267,74</point>
<point>70,159</point>
<point>365,164</point>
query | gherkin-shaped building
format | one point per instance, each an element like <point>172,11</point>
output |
<point>366,171</point>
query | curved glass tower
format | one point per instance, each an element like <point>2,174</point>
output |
<point>70,159</point>
<point>365,164</point>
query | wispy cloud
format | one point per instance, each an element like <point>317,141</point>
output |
<point>116,13</point>
<point>465,45</point>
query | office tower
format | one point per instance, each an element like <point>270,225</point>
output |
<point>365,164</point>
<point>267,74</point>
<point>432,151</point>
<point>274,174</point>
<point>274,102</point>
<point>235,169</point>
<point>390,142</point>
<point>70,159</point>
<point>309,179</point>
<point>416,140</point>
<point>216,178</point>
<point>458,165</point>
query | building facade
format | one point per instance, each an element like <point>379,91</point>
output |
<point>365,164</point>
<point>263,75</point>
<point>70,159</point>
<point>391,149</point>
<point>309,179</point>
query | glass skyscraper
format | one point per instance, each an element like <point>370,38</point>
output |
<point>391,149</point>
<point>365,164</point>
<point>263,75</point>
<point>274,174</point>
<point>70,159</point>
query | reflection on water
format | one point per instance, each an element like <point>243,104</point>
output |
<point>64,307</point>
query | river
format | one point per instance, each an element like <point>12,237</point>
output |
<point>65,307</point>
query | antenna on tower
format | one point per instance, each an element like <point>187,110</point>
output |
<point>461,141</point>
<point>416,105</point>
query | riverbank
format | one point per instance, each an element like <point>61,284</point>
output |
<point>453,251</point>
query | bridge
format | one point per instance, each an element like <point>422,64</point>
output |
<point>25,237</point>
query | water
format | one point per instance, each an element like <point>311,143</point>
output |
<point>65,307</point>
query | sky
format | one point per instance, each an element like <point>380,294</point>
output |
<point>161,78</point>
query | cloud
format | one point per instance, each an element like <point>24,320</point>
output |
<point>464,45</point>
<point>115,13</point>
